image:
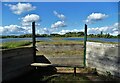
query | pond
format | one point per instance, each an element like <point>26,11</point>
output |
<point>50,39</point>
<point>23,39</point>
<point>94,39</point>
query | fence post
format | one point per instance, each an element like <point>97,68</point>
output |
<point>85,39</point>
<point>34,41</point>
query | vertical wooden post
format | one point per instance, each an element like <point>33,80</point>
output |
<point>34,41</point>
<point>74,71</point>
<point>85,39</point>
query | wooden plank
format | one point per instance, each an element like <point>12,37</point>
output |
<point>41,64</point>
<point>55,65</point>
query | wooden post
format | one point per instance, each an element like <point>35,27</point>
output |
<point>74,71</point>
<point>34,41</point>
<point>85,39</point>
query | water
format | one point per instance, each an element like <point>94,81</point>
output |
<point>50,39</point>
<point>94,39</point>
<point>23,39</point>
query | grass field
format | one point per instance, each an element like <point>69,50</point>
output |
<point>103,42</point>
<point>61,42</point>
<point>10,45</point>
<point>60,48</point>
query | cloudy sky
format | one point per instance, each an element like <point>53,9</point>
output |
<point>59,17</point>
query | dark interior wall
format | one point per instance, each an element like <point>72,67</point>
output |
<point>16,62</point>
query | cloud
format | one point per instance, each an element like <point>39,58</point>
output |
<point>31,18</point>
<point>95,17</point>
<point>46,31</point>
<point>21,8</point>
<point>16,30</point>
<point>12,29</point>
<point>60,16</point>
<point>66,31</point>
<point>28,19</point>
<point>58,24</point>
<point>29,24</point>
<point>113,29</point>
<point>3,30</point>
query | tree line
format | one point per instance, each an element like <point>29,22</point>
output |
<point>69,34</point>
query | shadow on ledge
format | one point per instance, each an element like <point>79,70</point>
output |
<point>42,59</point>
<point>35,75</point>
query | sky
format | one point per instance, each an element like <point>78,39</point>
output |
<point>59,17</point>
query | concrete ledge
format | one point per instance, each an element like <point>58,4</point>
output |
<point>54,65</point>
<point>103,57</point>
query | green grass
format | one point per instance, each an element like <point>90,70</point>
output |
<point>13,44</point>
<point>103,42</point>
<point>61,42</point>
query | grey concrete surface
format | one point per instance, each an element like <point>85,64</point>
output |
<point>104,57</point>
